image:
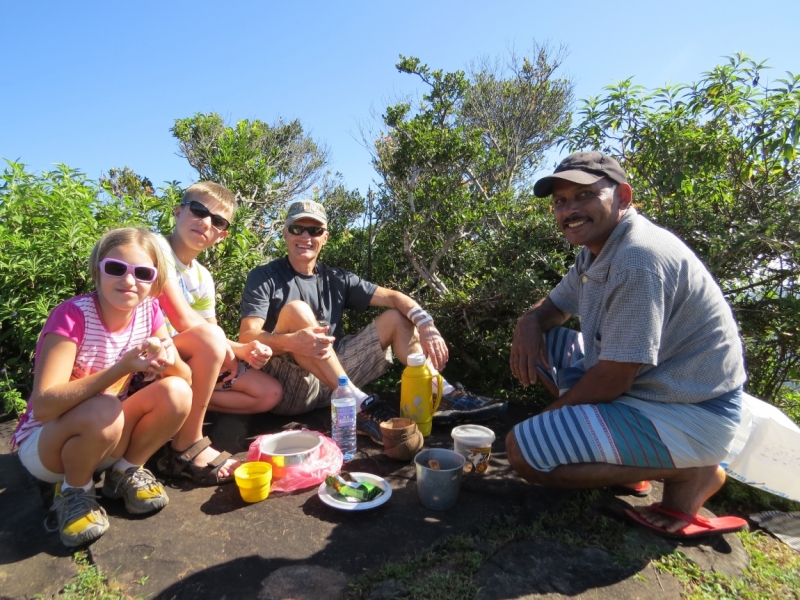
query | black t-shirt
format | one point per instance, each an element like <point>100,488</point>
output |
<point>270,287</point>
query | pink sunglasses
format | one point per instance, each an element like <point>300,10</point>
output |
<point>117,268</point>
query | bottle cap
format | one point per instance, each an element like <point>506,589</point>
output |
<point>343,381</point>
<point>416,360</point>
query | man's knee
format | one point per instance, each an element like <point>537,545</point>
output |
<point>295,315</point>
<point>392,318</point>
<point>520,465</point>
<point>515,458</point>
<point>393,324</point>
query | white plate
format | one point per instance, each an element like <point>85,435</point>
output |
<point>330,497</point>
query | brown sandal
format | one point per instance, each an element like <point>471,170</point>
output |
<point>181,464</point>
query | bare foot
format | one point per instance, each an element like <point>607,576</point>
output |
<point>209,454</point>
<point>686,492</point>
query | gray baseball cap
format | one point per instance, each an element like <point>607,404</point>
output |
<point>306,209</point>
<point>581,167</point>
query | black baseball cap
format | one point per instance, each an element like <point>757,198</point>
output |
<point>581,167</point>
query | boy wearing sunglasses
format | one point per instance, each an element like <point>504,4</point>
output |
<point>295,305</point>
<point>221,376</point>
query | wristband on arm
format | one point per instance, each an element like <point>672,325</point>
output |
<point>412,313</point>
<point>418,316</point>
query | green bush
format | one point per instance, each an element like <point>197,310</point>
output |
<point>48,225</point>
<point>718,163</point>
<point>13,402</point>
<point>454,223</point>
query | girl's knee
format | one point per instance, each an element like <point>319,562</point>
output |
<point>105,410</point>
<point>101,417</point>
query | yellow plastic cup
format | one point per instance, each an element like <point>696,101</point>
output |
<point>253,479</point>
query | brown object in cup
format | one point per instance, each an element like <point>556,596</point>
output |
<point>434,464</point>
<point>401,438</point>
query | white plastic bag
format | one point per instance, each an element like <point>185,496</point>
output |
<point>766,450</point>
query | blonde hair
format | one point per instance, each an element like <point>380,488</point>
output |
<point>145,240</point>
<point>217,191</point>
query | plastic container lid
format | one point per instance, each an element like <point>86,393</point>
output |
<point>474,435</point>
<point>343,381</point>
<point>416,360</point>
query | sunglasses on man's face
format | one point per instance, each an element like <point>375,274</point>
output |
<point>199,210</point>
<point>117,268</point>
<point>313,230</point>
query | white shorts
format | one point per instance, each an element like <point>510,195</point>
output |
<point>29,455</point>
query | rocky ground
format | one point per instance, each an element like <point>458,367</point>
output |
<point>208,543</point>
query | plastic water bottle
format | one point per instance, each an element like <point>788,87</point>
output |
<point>343,418</point>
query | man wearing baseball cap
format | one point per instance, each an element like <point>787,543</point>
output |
<point>295,305</point>
<point>651,387</point>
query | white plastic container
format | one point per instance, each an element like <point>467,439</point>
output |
<point>474,443</point>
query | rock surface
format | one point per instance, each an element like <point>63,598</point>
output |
<point>303,583</point>
<point>210,544</point>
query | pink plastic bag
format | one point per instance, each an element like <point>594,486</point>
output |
<point>328,460</point>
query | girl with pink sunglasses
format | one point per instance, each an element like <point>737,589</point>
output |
<point>81,420</point>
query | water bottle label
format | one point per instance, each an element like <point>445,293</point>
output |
<point>345,416</point>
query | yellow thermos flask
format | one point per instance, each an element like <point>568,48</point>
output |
<point>417,401</point>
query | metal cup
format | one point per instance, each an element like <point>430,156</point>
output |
<point>438,489</point>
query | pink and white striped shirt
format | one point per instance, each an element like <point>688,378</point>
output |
<point>78,319</point>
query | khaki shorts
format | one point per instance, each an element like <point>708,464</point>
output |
<point>361,356</point>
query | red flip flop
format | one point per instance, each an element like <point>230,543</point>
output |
<point>696,527</point>
<point>640,489</point>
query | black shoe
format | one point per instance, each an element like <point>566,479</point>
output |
<point>461,406</point>
<point>374,411</point>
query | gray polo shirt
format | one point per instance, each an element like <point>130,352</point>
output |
<point>270,287</point>
<point>646,298</point>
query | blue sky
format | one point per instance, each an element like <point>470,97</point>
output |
<point>97,85</point>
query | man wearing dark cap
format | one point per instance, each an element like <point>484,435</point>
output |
<point>295,305</point>
<point>651,387</point>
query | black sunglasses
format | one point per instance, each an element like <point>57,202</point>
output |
<point>201,212</point>
<point>117,268</point>
<point>313,230</point>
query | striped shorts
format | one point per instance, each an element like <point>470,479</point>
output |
<point>361,356</point>
<point>627,431</point>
